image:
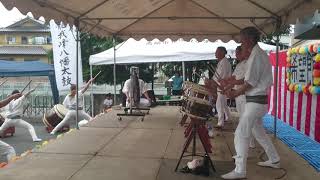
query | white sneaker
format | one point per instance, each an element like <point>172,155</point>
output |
<point>234,175</point>
<point>270,164</point>
<point>37,140</point>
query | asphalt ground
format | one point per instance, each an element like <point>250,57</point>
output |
<point>22,141</point>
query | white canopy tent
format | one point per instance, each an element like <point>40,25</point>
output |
<point>143,51</point>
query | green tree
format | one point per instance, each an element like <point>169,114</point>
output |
<point>91,44</point>
<point>271,37</point>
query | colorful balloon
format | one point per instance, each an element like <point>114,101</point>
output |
<point>288,59</point>
<point>302,50</point>
<point>317,58</point>
<point>310,48</point>
<point>316,66</point>
<point>316,73</point>
<point>316,81</point>
<point>289,52</point>
<point>291,87</point>
<point>315,48</point>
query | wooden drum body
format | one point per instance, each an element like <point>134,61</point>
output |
<point>53,117</point>
<point>197,108</point>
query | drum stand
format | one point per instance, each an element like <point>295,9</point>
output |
<point>196,129</point>
<point>132,113</point>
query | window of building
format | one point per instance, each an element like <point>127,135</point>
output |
<point>40,40</point>
<point>24,40</point>
<point>11,40</point>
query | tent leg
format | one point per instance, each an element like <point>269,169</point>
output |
<point>91,94</point>
<point>275,102</point>
<point>114,71</point>
<point>77,24</point>
<point>152,82</point>
<point>183,71</point>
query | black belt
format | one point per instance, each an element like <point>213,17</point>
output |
<point>14,117</point>
<point>79,108</point>
<point>260,99</point>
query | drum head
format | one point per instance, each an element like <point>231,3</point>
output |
<point>60,110</point>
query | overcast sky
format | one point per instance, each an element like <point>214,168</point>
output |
<point>10,17</point>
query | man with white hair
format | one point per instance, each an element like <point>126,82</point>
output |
<point>257,80</point>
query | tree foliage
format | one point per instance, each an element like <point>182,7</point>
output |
<point>90,45</point>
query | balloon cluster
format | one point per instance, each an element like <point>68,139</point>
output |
<point>314,88</point>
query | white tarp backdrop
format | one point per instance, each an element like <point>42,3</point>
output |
<point>64,55</point>
<point>143,51</point>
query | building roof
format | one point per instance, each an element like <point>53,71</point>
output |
<point>37,26</point>
<point>22,50</point>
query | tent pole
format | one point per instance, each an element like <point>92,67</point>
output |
<point>91,94</point>
<point>275,102</point>
<point>114,70</point>
<point>152,84</point>
<point>77,24</point>
<point>183,71</point>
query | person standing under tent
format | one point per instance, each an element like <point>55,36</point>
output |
<point>13,117</point>
<point>6,149</point>
<point>237,79</point>
<point>223,71</point>
<point>134,88</point>
<point>70,102</point>
<point>177,81</point>
<point>257,80</point>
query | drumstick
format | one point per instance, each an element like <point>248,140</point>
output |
<point>216,74</point>
<point>3,82</point>
<point>97,75</point>
<point>26,86</point>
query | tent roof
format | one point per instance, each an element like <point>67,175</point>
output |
<point>201,19</point>
<point>143,51</point>
<point>28,68</point>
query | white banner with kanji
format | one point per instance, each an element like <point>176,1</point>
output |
<point>64,55</point>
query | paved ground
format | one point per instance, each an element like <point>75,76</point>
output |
<point>135,150</point>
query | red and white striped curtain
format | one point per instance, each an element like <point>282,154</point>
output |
<point>299,110</point>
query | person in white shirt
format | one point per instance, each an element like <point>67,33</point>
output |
<point>70,102</point>
<point>237,79</point>
<point>107,103</point>
<point>223,71</point>
<point>136,87</point>
<point>6,149</point>
<point>257,80</point>
<point>13,117</point>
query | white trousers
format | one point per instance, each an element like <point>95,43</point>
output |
<point>19,123</point>
<point>240,105</point>
<point>250,123</point>
<point>7,150</point>
<point>71,115</point>
<point>222,108</point>
<point>143,103</point>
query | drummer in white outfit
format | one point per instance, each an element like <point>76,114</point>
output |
<point>237,78</point>
<point>70,102</point>
<point>258,78</point>
<point>223,71</point>
<point>6,149</point>
<point>13,117</point>
<point>128,90</point>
